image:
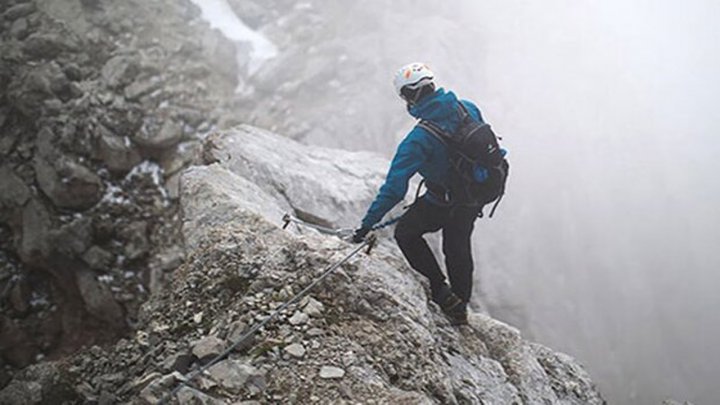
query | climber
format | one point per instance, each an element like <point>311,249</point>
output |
<point>439,208</point>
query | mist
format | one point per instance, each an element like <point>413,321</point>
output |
<point>605,245</point>
<point>606,248</point>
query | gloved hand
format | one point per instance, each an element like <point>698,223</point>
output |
<point>359,235</point>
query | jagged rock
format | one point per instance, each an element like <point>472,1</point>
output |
<point>295,350</point>
<point>14,191</point>
<point>73,239</point>
<point>189,396</point>
<point>331,372</point>
<point>38,85</point>
<point>99,300</point>
<point>98,258</point>
<point>224,197</point>
<point>136,241</point>
<point>68,184</point>
<point>489,361</point>
<point>234,375</point>
<point>313,307</point>
<point>47,45</point>
<point>65,70</point>
<point>168,134</point>
<point>119,71</point>
<point>142,87</point>
<point>298,318</point>
<point>207,347</point>
<point>19,29</point>
<point>116,152</point>
<point>168,259</point>
<point>298,175</point>
<point>315,332</point>
<point>158,388</point>
<point>36,224</point>
<point>43,383</point>
<point>19,10</point>
<point>183,155</point>
<point>179,362</point>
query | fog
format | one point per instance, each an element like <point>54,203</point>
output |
<point>606,245</point>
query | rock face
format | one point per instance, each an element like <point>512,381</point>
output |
<point>298,176</point>
<point>339,93</point>
<point>373,336</point>
<point>100,103</point>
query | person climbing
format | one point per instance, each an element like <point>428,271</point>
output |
<point>446,205</point>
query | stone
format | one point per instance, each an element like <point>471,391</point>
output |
<point>14,191</point>
<point>136,241</point>
<point>74,238</point>
<point>179,362</point>
<point>168,259</point>
<point>190,396</point>
<point>314,332</point>
<point>67,183</point>
<point>313,307</point>
<point>19,10</point>
<point>99,300</point>
<point>331,372</point>
<point>297,174</point>
<point>118,153</point>
<point>35,244</point>
<point>119,71</point>
<point>183,155</point>
<point>43,383</point>
<point>213,197</point>
<point>298,318</point>
<point>207,347</point>
<point>156,389</point>
<point>47,45</point>
<point>20,296</point>
<point>98,258</point>
<point>349,358</point>
<point>234,375</point>
<point>39,85</point>
<point>295,350</point>
<point>141,87</point>
<point>19,29</point>
<point>169,134</point>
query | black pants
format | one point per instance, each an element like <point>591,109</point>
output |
<point>457,226</point>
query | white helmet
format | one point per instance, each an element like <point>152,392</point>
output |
<point>412,77</point>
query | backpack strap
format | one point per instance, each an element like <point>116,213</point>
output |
<point>463,112</point>
<point>435,131</point>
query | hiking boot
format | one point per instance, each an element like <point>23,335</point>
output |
<point>446,298</point>
<point>458,316</point>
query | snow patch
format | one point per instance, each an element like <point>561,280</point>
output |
<point>221,16</point>
<point>114,195</point>
<point>152,169</point>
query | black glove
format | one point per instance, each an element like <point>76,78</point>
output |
<point>359,235</point>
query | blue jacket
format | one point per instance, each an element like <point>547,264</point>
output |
<point>420,152</point>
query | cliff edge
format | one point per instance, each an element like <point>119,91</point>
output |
<point>367,334</point>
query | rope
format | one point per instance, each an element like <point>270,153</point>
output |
<point>367,242</point>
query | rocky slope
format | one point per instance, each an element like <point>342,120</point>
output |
<point>100,106</point>
<point>366,335</point>
<point>331,83</point>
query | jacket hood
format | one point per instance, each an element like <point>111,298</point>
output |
<point>439,107</point>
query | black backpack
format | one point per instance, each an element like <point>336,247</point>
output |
<point>473,144</point>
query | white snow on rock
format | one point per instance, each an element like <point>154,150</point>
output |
<point>221,16</point>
